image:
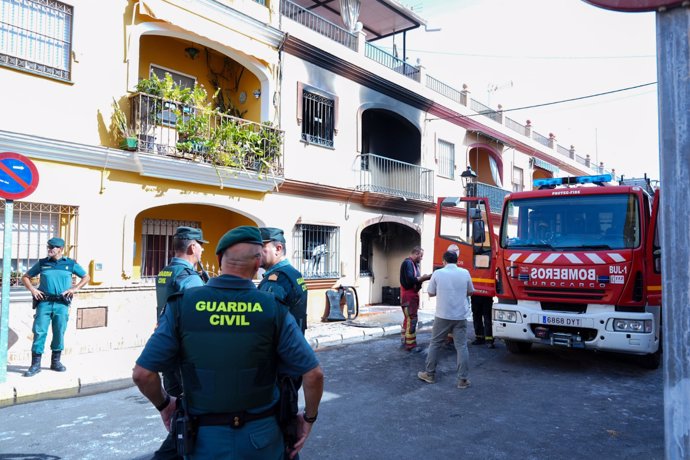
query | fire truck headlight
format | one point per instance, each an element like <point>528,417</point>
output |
<point>632,325</point>
<point>507,316</point>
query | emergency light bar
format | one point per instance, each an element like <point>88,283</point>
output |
<point>554,181</point>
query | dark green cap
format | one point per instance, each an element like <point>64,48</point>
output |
<point>272,234</point>
<point>241,234</point>
<point>190,233</point>
<point>57,242</point>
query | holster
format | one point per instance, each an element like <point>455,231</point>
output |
<point>183,429</point>
<point>287,410</point>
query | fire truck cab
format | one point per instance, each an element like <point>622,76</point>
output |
<point>578,266</point>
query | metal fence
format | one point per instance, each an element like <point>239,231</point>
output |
<point>166,127</point>
<point>515,126</point>
<point>493,193</point>
<point>392,177</point>
<point>385,58</point>
<point>485,110</point>
<point>318,24</point>
<point>543,140</point>
<point>444,89</point>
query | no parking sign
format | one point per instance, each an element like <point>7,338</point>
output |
<point>18,176</point>
<point>18,179</point>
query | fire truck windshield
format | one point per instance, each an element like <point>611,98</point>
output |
<point>573,222</point>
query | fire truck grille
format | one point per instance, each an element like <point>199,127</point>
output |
<point>581,295</point>
<point>587,334</point>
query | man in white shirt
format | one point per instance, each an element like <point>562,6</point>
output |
<point>451,285</point>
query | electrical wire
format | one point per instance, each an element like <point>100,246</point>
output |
<point>545,104</point>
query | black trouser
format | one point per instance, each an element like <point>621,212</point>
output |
<point>481,317</point>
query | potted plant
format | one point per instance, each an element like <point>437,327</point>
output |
<point>126,136</point>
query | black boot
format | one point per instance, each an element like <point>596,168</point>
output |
<point>55,363</point>
<point>35,365</point>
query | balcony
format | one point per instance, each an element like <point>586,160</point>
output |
<point>169,128</point>
<point>392,177</point>
<point>493,193</point>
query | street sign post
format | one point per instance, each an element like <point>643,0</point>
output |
<point>18,179</point>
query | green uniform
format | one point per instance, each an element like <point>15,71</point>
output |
<point>286,283</point>
<point>228,339</point>
<point>56,278</point>
<point>175,277</point>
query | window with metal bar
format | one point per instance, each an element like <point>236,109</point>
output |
<point>318,117</point>
<point>445,158</point>
<point>317,251</point>
<point>36,36</point>
<point>518,179</point>
<point>156,244</point>
<point>33,224</point>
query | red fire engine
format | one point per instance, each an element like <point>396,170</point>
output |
<point>579,266</point>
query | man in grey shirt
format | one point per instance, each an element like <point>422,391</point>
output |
<point>451,285</point>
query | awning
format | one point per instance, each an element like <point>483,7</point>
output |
<point>379,18</point>
<point>539,163</point>
<point>206,22</point>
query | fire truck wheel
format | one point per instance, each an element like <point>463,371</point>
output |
<point>518,347</point>
<point>650,361</point>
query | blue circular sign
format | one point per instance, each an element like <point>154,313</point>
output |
<point>18,176</point>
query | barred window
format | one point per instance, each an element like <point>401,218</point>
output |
<point>36,36</point>
<point>317,251</point>
<point>33,224</point>
<point>156,244</point>
<point>445,159</point>
<point>518,179</point>
<point>318,119</point>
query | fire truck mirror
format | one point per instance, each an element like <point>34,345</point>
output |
<point>478,232</point>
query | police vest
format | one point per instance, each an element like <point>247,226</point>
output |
<point>168,283</point>
<point>289,289</point>
<point>228,341</point>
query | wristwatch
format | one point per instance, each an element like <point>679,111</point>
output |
<point>164,404</point>
<point>310,419</point>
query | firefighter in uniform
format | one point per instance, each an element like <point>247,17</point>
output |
<point>178,275</point>
<point>228,338</point>
<point>281,278</point>
<point>410,284</point>
<point>51,301</point>
<point>481,318</point>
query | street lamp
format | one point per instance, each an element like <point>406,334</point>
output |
<point>469,179</point>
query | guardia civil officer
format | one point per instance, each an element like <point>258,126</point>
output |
<point>52,299</point>
<point>228,338</point>
<point>181,272</point>
<point>178,275</point>
<point>281,278</point>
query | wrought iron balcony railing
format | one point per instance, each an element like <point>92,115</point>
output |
<point>166,127</point>
<point>392,177</point>
<point>495,195</point>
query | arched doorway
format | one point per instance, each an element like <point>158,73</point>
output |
<point>384,243</point>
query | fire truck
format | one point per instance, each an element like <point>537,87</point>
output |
<point>578,266</point>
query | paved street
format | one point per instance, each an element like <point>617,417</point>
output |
<point>550,404</point>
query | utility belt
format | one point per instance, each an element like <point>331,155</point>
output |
<point>51,298</point>
<point>186,426</point>
<point>232,419</point>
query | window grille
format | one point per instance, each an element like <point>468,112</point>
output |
<point>518,179</point>
<point>33,224</point>
<point>317,251</point>
<point>156,244</point>
<point>446,159</point>
<point>318,117</point>
<point>36,36</point>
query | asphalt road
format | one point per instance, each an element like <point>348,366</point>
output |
<point>549,404</point>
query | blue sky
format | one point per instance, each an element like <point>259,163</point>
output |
<point>527,52</point>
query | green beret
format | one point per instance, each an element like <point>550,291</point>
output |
<point>242,234</point>
<point>272,234</point>
<point>57,242</point>
<point>190,233</point>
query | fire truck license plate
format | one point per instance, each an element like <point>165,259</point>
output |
<point>559,321</point>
